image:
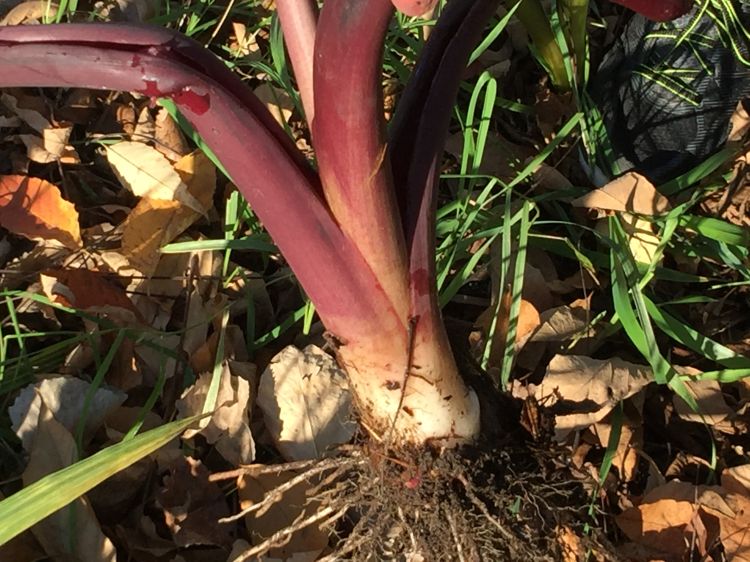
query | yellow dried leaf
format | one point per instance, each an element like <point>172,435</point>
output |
<point>147,173</point>
<point>642,238</point>
<point>34,208</point>
<point>155,223</point>
<point>151,225</point>
<point>277,101</point>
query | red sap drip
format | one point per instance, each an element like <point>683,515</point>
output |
<point>420,282</point>
<point>151,90</point>
<point>135,61</point>
<point>196,103</point>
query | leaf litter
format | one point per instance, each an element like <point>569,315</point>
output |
<point>101,256</point>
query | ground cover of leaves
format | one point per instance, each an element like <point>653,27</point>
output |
<point>102,331</point>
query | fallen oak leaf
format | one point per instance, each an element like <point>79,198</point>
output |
<point>146,172</point>
<point>630,193</point>
<point>228,427</point>
<point>735,531</point>
<point>305,402</point>
<point>581,391</point>
<point>86,290</point>
<point>736,479</point>
<point>54,448</point>
<point>154,223</point>
<point>34,208</point>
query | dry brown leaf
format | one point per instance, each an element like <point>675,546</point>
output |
<point>665,525</point>
<point>151,225</point>
<point>193,505</point>
<point>735,531</point>
<point>199,175</point>
<point>528,321</point>
<point>571,545</point>
<point>154,223</point>
<point>64,398</point>
<point>712,408</point>
<point>72,532</point>
<point>581,390</point>
<point>52,146</point>
<point>502,158</point>
<point>740,122</point>
<point>626,455</point>
<point>34,208</point>
<point>228,427</point>
<point>31,10</point>
<point>9,122</point>
<point>631,192</point>
<point>562,324</point>
<point>32,117</point>
<point>277,101</point>
<point>304,545</point>
<point>169,138</point>
<point>141,128</point>
<point>551,110</point>
<point>245,44</point>
<point>642,238</point>
<point>305,402</point>
<point>547,178</point>
<point>736,479</point>
<point>86,290</point>
<point>147,173</point>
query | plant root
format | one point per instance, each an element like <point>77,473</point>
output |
<point>466,505</point>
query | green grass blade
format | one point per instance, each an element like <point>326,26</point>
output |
<point>692,339</point>
<point>53,492</point>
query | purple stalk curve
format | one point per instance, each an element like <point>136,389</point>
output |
<point>326,262</point>
<point>418,137</point>
<point>349,136</point>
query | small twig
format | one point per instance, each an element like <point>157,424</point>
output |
<point>262,469</point>
<point>282,536</point>
<point>219,25</point>
<point>454,532</point>
<point>407,372</point>
<point>276,494</point>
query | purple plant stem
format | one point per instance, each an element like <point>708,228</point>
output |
<point>349,137</point>
<point>417,140</point>
<point>329,267</point>
<point>299,18</point>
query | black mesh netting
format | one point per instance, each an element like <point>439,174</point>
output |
<point>666,97</point>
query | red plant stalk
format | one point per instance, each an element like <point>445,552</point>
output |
<point>347,240</point>
<point>298,21</point>
<point>658,10</point>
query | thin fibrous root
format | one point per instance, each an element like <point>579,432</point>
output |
<point>277,493</point>
<point>279,538</point>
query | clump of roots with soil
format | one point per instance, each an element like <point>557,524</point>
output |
<point>472,503</point>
